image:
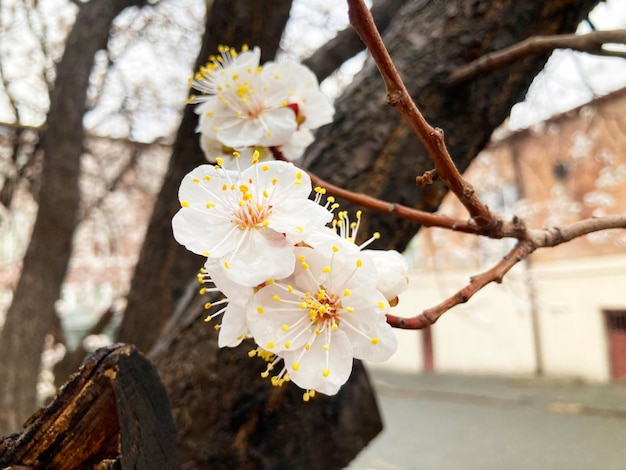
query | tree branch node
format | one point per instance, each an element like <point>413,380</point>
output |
<point>429,177</point>
<point>394,97</point>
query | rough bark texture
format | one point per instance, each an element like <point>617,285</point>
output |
<point>113,413</point>
<point>30,315</point>
<point>370,149</point>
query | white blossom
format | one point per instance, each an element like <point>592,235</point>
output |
<point>249,220</point>
<point>391,267</point>
<point>233,328</point>
<point>320,318</point>
<point>244,104</point>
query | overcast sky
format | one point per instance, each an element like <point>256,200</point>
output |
<point>571,79</point>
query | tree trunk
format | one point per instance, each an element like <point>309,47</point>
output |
<point>30,316</point>
<point>113,413</point>
<point>164,267</point>
<point>370,149</point>
<point>249,428</point>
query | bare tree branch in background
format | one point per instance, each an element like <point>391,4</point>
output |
<point>592,43</point>
<point>30,316</point>
<point>347,43</point>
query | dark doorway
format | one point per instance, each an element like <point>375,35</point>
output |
<point>616,334</point>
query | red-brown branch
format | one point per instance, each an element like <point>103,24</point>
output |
<point>495,274</point>
<point>427,219</point>
<point>538,239</point>
<point>592,43</point>
<point>398,97</point>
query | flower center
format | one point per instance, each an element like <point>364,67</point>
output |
<point>250,215</point>
<point>324,309</point>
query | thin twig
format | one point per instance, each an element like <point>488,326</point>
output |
<point>592,43</point>
<point>427,219</point>
<point>539,239</point>
<point>495,274</point>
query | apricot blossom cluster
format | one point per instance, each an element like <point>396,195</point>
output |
<point>293,278</point>
<point>244,106</point>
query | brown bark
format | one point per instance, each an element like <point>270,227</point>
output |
<point>371,150</point>
<point>30,315</point>
<point>113,413</point>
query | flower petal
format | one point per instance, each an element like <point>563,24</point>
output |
<point>270,311</point>
<point>322,370</point>
<point>371,336</point>
<point>392,271</point>
<point>298,217</point>
<point>262,254</point>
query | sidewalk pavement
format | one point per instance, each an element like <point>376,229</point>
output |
<point>462,422</point>
<point>558,395</point>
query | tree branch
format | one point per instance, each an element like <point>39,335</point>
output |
<point>398,97</point>
<point>433,140</point>
<point>428,219</point>
<point>537,239</point>
<point>592,43</point>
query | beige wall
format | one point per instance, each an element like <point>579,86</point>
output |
<point>573,295</point>
<point>492,333</point>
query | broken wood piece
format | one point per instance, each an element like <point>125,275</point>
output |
<point>112,413</point>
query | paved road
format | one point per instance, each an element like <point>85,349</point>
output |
<point>436,422</point>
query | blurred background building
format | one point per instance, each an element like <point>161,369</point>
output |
<point>562,312</point>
